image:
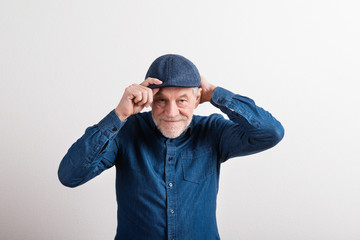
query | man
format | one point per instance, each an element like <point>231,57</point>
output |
<point>168,160</point>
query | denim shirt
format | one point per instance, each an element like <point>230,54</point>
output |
<point>167,188</point>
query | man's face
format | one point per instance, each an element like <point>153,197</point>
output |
<point>172,109</point>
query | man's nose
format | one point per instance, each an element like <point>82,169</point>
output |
<point>171,109</point>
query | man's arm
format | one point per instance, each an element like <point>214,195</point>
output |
<point>91,154</point>
<point>251,129</point>
<point>97,149</point>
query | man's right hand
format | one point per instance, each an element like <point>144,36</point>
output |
<point>136,97</point>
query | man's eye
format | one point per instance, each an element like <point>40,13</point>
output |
<point>160,101</point>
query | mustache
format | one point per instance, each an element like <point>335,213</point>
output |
<point>178,118</point>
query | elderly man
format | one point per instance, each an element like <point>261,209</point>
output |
<point>168,160</point>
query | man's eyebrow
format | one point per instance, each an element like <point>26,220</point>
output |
<point>185,95</point>
<point>158,95</point>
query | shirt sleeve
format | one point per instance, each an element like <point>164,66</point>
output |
<point>250,129</point>
<point>91,154</point>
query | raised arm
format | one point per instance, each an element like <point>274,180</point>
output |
<point>250,128</point>
<point>97,149</point>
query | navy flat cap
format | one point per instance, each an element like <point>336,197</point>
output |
<point>174,71</point>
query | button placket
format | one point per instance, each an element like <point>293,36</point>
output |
<point>170,188</point>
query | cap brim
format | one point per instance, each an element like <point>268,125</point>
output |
<point>152,86</point>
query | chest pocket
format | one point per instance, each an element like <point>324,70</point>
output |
<point>197,166</point>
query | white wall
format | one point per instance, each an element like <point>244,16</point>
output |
<point>65,64</point>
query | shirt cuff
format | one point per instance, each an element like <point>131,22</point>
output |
<point>237,107</point>
<point>221,97</point>
<point>111,124</point>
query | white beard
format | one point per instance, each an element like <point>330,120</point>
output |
<point>173,131</point>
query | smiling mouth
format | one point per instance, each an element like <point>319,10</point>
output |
<point>171,121</point>
<point>175,119</point>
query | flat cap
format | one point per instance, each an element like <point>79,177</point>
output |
<point>174,71</point>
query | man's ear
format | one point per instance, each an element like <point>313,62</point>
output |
<point>198,97</point>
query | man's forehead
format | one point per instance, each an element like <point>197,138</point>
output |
<point>174,91</point>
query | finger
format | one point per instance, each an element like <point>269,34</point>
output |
<point>150,81</point>
<point>155,91</point>
<point>203,81</point>
<point>137,96</point>
<point>137,93</point>
<point>145,97</point>
<point>150,98</point>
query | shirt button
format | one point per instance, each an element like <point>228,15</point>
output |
<point>171,184</point>
<point>172,211</point>
<point>114,129</point>
<point>170,159</point>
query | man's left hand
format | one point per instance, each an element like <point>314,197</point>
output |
<point>207,90</point>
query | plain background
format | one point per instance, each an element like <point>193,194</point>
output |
<point>65,64</point>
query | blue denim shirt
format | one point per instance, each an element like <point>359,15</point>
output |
<point>167,188</point>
